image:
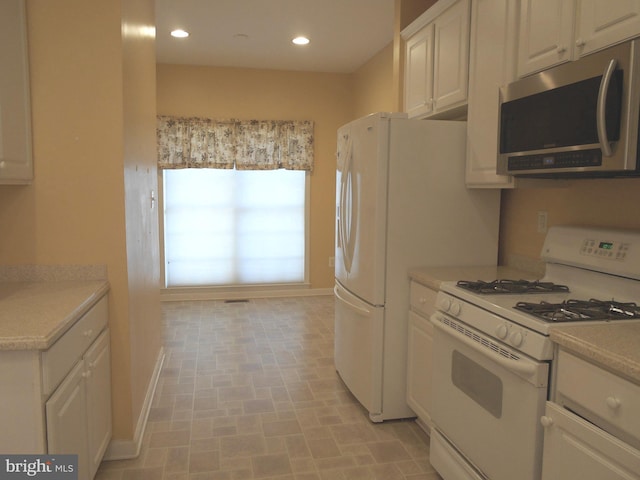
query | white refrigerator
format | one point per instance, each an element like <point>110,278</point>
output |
<point>401,202</point>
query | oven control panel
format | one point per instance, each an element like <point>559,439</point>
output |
<point>610,251</point>
<point>606,249</point>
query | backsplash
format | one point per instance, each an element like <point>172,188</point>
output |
<point>52,273</point>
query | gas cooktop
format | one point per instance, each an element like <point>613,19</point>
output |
<point>511,286</point>
<point>581,310</point>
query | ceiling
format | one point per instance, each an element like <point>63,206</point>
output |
<point>344,34</point>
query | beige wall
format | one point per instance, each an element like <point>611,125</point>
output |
<point>588,202</point>
<point>325,98</point>
<point>140,183</point>
<point>373,84</point>
<point>91,177</point>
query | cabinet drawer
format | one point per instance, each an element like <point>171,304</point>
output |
<point>610,402</point>
<point>423,299</point>
<point>574,449</point>
<point>58,360</point>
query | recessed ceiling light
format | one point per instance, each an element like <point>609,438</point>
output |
<point>179,33</point>
<point>300,40</point>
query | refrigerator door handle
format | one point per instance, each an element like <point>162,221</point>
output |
<point>356,308</point>
<point>347,214</point>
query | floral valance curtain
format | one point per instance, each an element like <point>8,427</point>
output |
<point>243,144</point>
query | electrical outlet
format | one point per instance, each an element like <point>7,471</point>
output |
<point>542,222</point>
<point>332,261</point>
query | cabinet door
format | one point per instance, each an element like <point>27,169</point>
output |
<point>419,73</point>
<point>492,63</point>
<point>419,365</point>
<point>546,34</point>
<point>98,381</point>
<point>602,23</point>
<point>67,419</point>
<point>451,57</point>
<point>575,449</point>
<point>15,112</point>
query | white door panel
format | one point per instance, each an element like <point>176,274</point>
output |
<point>361,199</point>
<point>358,348</point>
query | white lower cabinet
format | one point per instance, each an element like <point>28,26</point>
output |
<point>419,349</point>
<point>58,401</point>
<point>592,426</point>
<point>79,411</point>
<point>577,449</point>
<point>67,419</point>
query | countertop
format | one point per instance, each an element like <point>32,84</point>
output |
<point>432,277</point>
<point>615,346</point>
<point>33,315</point>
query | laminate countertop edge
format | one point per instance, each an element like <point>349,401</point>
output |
<point>614,346</point>
<point>33,315</point>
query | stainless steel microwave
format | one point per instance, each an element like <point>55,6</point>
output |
<point>579,119</point>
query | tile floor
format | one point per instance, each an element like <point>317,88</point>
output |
<point>249,391</point>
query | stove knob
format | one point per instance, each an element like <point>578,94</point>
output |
<point>516,338</point>
<point>456,308</point>
<point>445,304</point>
<point>502,331</point>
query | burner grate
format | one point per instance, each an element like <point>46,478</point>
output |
<point>581,310</point>
<point>511,286</point>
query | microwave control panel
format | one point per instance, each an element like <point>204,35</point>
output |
<point>539,161</point>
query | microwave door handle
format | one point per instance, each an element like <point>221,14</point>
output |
<point>601,121</point>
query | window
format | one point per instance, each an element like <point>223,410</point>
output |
<point>234,227</point>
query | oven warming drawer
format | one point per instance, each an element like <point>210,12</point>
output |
<point>483,401</point>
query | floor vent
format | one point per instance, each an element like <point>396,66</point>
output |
<point>237,300</point>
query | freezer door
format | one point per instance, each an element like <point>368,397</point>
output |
<point>359,348</point>
<point>361,207</point>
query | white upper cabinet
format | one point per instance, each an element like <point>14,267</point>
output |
<point>16,166</point>
<point>418,96</point>
<point>553,32</point>
<point>436,61</point>
<point>546,34</point>
<point>492,63</point>
<point>602,23</point>
<point>451,57</point>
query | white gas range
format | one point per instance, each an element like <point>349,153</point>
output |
<point>493,354</point>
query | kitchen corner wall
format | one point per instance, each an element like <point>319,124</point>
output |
<point>373,84</point>
<point>92,67</point>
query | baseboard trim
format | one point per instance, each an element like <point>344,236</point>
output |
<point>188,294</point>
<point>127,449</point>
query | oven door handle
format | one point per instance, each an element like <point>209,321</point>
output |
<point>524,369</point>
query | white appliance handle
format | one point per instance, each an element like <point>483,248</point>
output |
<point>356,308</point>
<point>342,153</point>
<point>601,122</point>
<point>525,369</point>
<point>350,214</point>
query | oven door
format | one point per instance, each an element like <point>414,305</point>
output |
<point>487,401</point>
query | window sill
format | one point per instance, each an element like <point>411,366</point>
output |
<point>238,292</point>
